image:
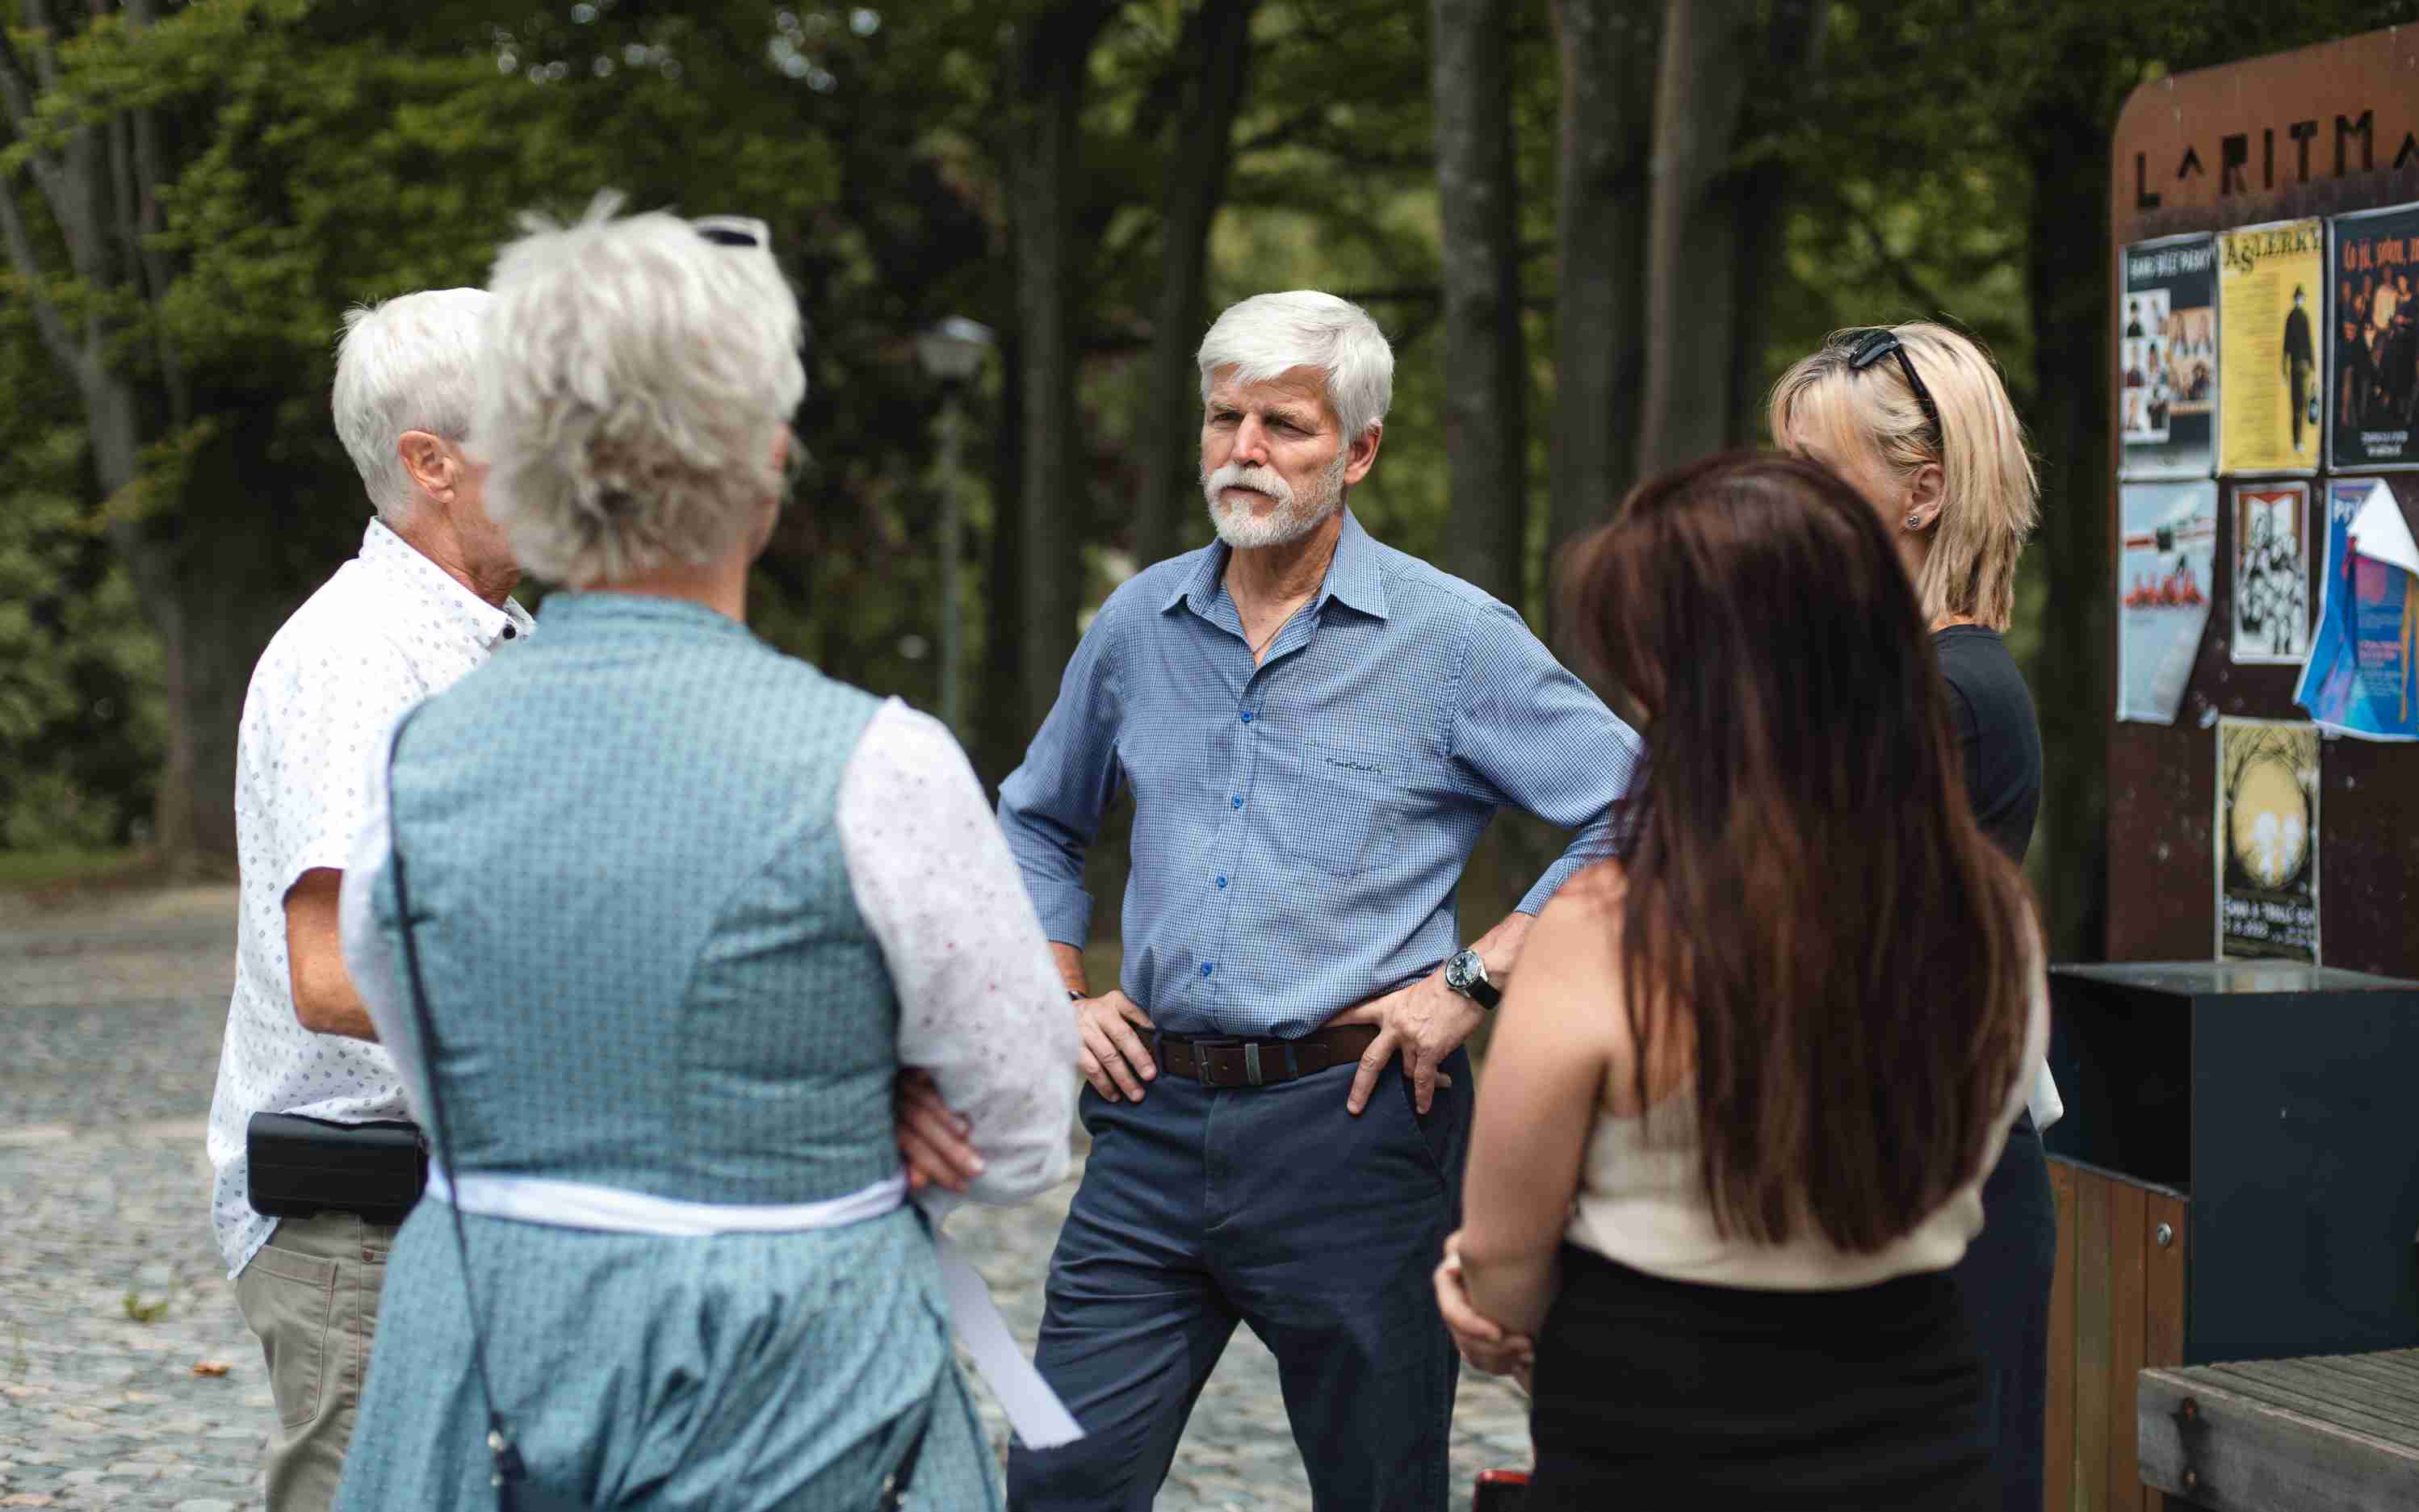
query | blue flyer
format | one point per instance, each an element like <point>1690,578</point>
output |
<point>2362,676</point>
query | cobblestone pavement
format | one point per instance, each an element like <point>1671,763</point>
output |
<point>110,1291</point>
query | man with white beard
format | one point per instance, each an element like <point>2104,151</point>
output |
<point>1317,729</point>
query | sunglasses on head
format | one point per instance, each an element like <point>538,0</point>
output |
<point>733,230</point>
<point>746,231</point>
<point>1870,346</point>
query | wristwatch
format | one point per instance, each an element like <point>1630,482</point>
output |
<point>1467,975</point>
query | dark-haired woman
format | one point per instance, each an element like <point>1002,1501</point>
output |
<point>1744,1090</point>
<point>1916,418</point>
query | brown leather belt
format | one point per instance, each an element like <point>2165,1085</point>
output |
<point>1245,1060</point>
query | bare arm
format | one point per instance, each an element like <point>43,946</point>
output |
<point>325,1001</point>
<point>1545,1071</point>
<point>1501,946</point>
<point>1070,961</point>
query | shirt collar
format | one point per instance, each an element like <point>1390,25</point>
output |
<point>455,604</point>
<point>568,607</point>
<point>1353,575</point>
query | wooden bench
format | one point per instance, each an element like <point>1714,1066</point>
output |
<point>2335,1433</point>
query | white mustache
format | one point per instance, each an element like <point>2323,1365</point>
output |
<point>1246,475</point>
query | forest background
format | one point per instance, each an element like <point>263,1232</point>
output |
<point>1595,230</point>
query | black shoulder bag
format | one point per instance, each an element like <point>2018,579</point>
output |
<point>513,1491</point>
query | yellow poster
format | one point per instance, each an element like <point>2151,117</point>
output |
<point>2271,299</point>
<point>2267,840</point>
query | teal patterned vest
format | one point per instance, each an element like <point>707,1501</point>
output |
<point>644,963</point>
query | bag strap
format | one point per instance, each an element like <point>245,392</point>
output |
<point>500,1439</point>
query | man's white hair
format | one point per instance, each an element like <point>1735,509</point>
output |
<point>1268,334</point>
<point>633,381</point>
<point>409,363</point>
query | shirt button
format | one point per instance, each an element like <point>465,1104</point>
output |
<point>1247,716</point>
<point>510,633</point>
<point>1239,800</point>
<point>1209,966</point>
<point>1221,882</point>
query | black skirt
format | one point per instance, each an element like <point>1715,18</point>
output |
<point>1655,1394</point>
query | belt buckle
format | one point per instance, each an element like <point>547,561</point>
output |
<point>1202,1045</point>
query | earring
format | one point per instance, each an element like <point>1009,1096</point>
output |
<point>1915,522</point>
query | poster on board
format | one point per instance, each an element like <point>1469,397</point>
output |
<point>2362,676</point>
<point>2373,414</point>
<point>2271,572</point>
<point>2164,576</point>
<point>2166,357</point>
<point>2270,300</point>
<point>2267,840</point>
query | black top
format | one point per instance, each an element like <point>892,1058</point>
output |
<point>1997,735</point>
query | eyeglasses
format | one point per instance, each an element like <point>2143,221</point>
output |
<point>733,230</point>
<point>1880,341</point>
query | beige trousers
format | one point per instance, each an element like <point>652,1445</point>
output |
<point>311,1295</point>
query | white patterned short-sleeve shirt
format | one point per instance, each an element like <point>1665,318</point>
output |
<point>389,630</point>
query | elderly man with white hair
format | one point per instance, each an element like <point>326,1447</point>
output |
<point>1315,730</point>
<point>652,916</point>
<point>427,599</point>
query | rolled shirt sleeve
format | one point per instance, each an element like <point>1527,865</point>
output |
<point>1536,737</point>
<point>1050,806</point>
<point>981,1003</point>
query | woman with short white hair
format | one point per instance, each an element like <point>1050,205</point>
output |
<point>652,918</point>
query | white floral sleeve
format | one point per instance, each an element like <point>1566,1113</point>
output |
<point>981,1002</point>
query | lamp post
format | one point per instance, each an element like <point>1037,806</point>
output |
<point>953,353</point>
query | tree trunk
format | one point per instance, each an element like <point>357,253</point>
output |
<point>1003,732</point>
<point>1600,239</point>
<point>2067,273</point>
<point>1487,400</point>
<point>1218,42</point>
<point>97,186</point>
<point>1793,53</point>
<point>1051,65</point>
<point>1693,234</point>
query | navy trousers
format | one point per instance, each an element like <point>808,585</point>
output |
<point>1271,1206</point>
<point>2004,1281</point>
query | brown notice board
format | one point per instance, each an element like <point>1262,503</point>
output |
<point>2321,131</point>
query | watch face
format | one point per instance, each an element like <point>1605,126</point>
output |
<point>1457,972</point>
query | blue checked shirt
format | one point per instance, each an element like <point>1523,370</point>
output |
<point>1299,826</point>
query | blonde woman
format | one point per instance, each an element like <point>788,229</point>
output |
<point>1917,419</point>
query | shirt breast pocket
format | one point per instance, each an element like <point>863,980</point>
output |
<point>1341,810</point>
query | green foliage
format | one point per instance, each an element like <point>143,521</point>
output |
<point>324,152</point>
<point>81,726</point>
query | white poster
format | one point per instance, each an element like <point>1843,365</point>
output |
<point>2272,572</point>
<point>2164,566</point>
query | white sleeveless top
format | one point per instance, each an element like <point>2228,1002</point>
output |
<point>1641,1201</point>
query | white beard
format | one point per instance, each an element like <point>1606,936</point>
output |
<point>1291,519</point>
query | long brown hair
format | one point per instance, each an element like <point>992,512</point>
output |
<point>1809,901</point>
